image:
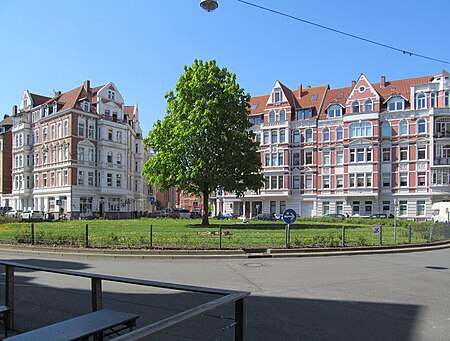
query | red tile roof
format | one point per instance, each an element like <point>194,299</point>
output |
<point>129,110</point>
<point>38,99</point>
<point>305,100</point>
<point>260,102</point>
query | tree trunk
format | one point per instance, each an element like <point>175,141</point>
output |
<point>205,218</point>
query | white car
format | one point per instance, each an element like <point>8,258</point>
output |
<point>32,215</point>
<point>13,213</point>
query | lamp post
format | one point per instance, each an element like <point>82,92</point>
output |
<point>209,5</point>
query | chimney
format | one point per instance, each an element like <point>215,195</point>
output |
<point>353,84</point>
<point>57,93</point>
<point>14,110</point>
<point>87,85</point>
<point>383,81</point>
<point>300,90</point>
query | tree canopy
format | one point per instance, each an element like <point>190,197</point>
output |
<point>203,143</point>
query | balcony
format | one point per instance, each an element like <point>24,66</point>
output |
<point>442,161</point>
<point>276,124</point>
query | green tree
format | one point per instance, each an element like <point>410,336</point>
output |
<point>203,143</point>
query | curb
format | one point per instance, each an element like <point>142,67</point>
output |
<point>219,254</point>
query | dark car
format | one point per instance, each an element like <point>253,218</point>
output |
<point>333,215</point>
<point>379,216</point>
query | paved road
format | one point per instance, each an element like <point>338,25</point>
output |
<point>363,297</point>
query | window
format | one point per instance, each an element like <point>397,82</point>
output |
<point>66,128</point>
<point>339,157</point>
<point>119,136</point>
<point>303,114</point>
<point>386,179</point>
<point>80,153</point>
<point>254,119</point>
<point>360,154</point>
<point>111,95</point>
<point>326,134</point>
<point>80,178</point>
<point>44,134</point>
<point>266,137</point>
<point>86,106</point>
<point>52,132</point>
<point>361,129</point>
<point>446,99</point>
<point>360,180</point>
<point>403,127</point>
<point>109,180</point>
<point>395,103</point>
<point>368,105</point>
<point>308,157</point>
<point>403,153</point>
<point>421,101</point>
<point>91,131</point>
<point>403,208</point>
<point>433,100</point>
<point>339,181</point>
<point>267,160</point>
<point>81,128</point>
<point>296,182</point>
<point>334,111</point>
<point>65,177</point>
<point>272,116</point>
<point>326,181</point>
<point>326,207</point>
<point>282,136</point>
<point>274,136</point>
<point>386,130</point>
<point>308,181</point>
<point>308,135</point>
<point>314,97</point>
<point>282,115</point>
<point>274,159</point>
<point>109,157</point>
<point>339,207</point>
<point>107,112</point>
<point>44,157</point>
<point>355,107</point>
<point>118,180</point>
<point>421,152</point>
<point>110,134</point>
<point>277,96</point>
<point>421,179</point>
<point>273,207</point>
<point>368,208</point>
<point>280,159</point>
<point>421,207</point>
<point>282,206</point>
<point>326,157</point>
<point>296,136</point>
<point>91,179</point>
<point>296,159</point>
<point>386,154</point>
<point>386,206</point>
<point>91,153</point>
<point>119,158</point>
<point>339,133</point>
<point>280,182</point>
<point>355,207</point>
<point>403,179</point>
<point>421,126</point>
<point>266,182</point>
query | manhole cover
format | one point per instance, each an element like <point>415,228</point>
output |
<point>436,267</point>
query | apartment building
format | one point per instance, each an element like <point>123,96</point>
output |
<point>368,148</point>
<point>78,153</point>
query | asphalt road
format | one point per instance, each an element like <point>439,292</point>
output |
<point>403,296</point>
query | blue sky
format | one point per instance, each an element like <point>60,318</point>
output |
<point>143,45</point>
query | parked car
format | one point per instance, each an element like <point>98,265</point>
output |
<point>195,213</point>
<point>182,213</point>
<point>32,215</point>
<point>4,209</point>
<point>264,216</point>
<point>333,215</point>
<point>13,213</point>
<point>164,213</point>
<point>379,216</point>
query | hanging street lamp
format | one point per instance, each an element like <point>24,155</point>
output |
<point>209,5</point>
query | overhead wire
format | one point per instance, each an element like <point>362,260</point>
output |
<point>410,53</point>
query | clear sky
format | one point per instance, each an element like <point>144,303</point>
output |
<point>143,45</point>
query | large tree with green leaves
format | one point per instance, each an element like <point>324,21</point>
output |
<point>203,143</point>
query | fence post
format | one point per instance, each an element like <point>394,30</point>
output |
<point>431,232</point>
<point>220,237</point>
<point>151,236</point>
<point>87,236</point>
<point>381,234</point>
<point>288,236</point>
<point>96,293</point>
<point>32,233</point>
<point>9,295</point>
<point>395,233</point>
<point>343,236</point>
<point>240,313</point>
<point>409,233</point>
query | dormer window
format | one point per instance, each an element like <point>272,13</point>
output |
<point>368,105</point>
<point>277,96</point>
<point>421,101</point>
<point>355,107</point>
<point>303,114</point>
<point>55,107</point>
<point>107,112</point>
<point>46,111</point>
<point>86,106</point>
<point>395,103</point>
<point>254,106</point>
<point>111,95</point>
<point>334,111</point>
<point>314,97</point>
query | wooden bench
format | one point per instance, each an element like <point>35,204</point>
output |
<point>102,323</point>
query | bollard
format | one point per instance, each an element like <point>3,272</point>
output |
<point>32,233</point>
<point>409,234</point>
<point>343,236</point>
<point>151,236</point>
<point>87,236</point>
<point>220,237</point>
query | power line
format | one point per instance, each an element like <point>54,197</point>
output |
<point>344,33</point>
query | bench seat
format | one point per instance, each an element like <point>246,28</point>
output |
<point>81,327</point>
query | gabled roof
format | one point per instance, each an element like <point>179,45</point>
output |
<point>129,110</point>
<point>289,95</point>
<point>38,99</point>
<point>260,102</point>
<point>305,99</point>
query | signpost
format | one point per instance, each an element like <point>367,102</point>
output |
<point>195,204</point>
<point>377,230</point>
<point>152,200</point>
<point>289,217</point>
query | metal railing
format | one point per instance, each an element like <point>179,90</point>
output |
<point>144,333</point>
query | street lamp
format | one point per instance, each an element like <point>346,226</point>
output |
<point>209,5</point>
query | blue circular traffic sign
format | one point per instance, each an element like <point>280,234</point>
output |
<point>289,216</point>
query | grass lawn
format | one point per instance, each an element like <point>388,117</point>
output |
<point>189,234</point>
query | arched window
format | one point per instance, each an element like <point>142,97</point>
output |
<point>308,135</point>
<point>403,127</point>
<point>272,116</point>
<point>421,101</point>
<point>421,126</point>
<point>433,100</point>
<point>326,134</point>
<point>283,115</point>
<point>339,134</point>
<point>355,106</point>
<point>368,105</point>
<point>282,136</point>
<point>295,136</point>
<point>360,129</point>
<point>386,130</point>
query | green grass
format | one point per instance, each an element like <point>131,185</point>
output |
<point>189,234</point>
